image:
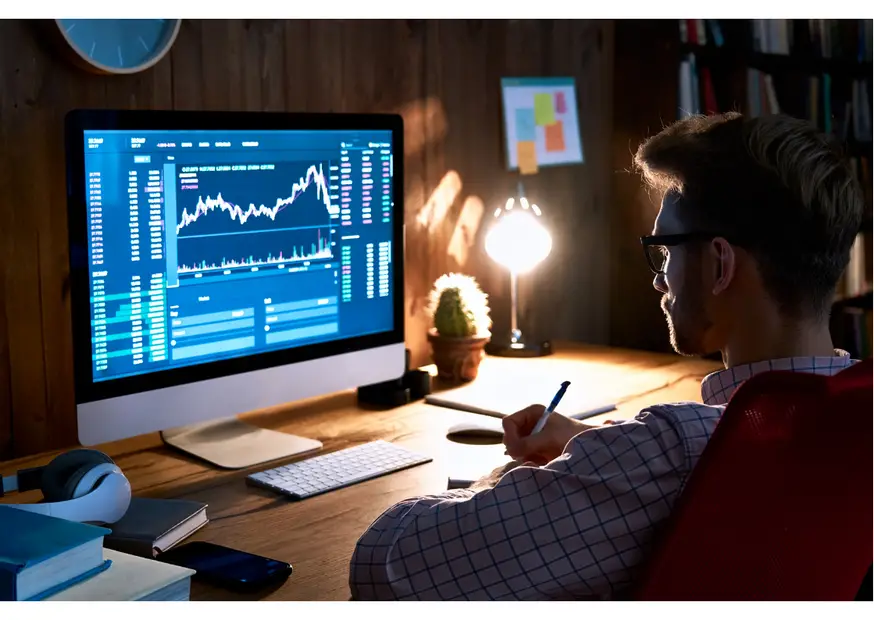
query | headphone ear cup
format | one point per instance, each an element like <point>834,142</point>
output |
<point>66,468</point>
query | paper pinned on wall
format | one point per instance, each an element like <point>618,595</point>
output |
<point>560,103</point>
<point>526,127</point>
<point>554,137</point>
<point>542,112</point>
<point>526,154</point>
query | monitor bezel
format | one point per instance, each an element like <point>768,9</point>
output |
<point>77,122</point>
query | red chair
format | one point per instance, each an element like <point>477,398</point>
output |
<point>779,506</point>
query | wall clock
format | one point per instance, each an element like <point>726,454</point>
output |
<point>119,46</point>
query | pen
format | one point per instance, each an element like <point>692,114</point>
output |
<point>555,400</point>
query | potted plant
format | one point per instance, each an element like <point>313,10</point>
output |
<point>460,314</point>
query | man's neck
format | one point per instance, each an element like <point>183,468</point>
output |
<point>778,339</point>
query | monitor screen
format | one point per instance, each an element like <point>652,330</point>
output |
<point>211,245</point>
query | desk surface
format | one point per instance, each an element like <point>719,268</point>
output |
<point>318,535</point>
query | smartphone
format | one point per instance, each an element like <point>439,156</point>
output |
<point>226,567</point>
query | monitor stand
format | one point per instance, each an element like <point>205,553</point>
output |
<point>233,444</point>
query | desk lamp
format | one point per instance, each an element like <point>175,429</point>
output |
<point>518,241</point>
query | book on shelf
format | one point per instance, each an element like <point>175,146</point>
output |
<point>861,111</point>
<point>41,555</point>
<point>837,98</point>
<point>696,84</point>
<point>716,32</point>
<point>687,105</point>
<point>847,40</point>
<point>696,91</point>
<point>772,36</point>
<point>696,31</point>
<point>711,106</point>
<point>761,95</point>
<point>855,280</point>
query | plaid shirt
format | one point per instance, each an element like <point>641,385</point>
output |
<point>575,528</point>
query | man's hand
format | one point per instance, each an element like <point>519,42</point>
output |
<point>546,445</point>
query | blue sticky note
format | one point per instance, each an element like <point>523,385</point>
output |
<point>525,125</point>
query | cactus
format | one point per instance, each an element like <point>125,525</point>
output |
<point>459,308</point>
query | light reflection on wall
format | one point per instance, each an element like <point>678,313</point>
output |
<point>424,124</point>
<point>442,229</point>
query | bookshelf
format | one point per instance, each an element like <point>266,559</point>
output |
<point>816,69</point>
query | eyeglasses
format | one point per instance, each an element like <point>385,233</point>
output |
<point>655,246</point>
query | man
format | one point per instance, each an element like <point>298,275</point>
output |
<point>754,230</point>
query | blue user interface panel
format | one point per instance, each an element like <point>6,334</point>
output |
<point>207,245</point>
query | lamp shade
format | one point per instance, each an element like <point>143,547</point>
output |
<point>518,240</point>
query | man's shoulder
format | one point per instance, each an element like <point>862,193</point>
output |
<point>693,422</point>
<point>686,411</point>
<point>687,417</point>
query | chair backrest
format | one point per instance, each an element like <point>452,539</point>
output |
<point>779,507</point>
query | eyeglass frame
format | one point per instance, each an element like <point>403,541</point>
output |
<point>675,240</point>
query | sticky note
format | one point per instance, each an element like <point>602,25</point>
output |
<point>560,103</point>
<point>525,125</point>
<point>544,112</point>
<point>554,134</point>
<point>526,154</point>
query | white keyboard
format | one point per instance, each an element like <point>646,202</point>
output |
<point>337,469</point>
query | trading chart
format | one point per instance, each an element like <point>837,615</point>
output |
<point>210,245</point>
<point>257,214</point>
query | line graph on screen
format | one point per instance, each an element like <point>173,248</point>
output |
<point>230,217</point>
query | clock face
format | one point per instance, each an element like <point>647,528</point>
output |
<point>120,45</point>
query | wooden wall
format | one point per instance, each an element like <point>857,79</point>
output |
<point>645,100</point>
<point>443,75</point>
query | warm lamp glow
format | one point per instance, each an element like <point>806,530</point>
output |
<point>518,240</point>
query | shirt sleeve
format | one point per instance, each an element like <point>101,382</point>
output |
<point>575,528</point>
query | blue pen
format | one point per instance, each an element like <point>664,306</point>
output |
<point>555,400</point>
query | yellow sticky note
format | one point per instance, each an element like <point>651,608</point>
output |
<point>526,154</point>
<point>544,110</point>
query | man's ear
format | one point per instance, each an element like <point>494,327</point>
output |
<point>725,263</point>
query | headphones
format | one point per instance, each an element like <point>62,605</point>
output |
<point>80,485</point>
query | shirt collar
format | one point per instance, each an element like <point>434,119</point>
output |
<point>718,387</point>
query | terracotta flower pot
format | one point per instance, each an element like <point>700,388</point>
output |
<point>457,359</point>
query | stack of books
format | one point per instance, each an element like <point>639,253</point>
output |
<point>46,558</point>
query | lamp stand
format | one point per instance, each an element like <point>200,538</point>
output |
<point>516,345</point>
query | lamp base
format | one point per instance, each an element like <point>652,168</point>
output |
<point>519,349</point>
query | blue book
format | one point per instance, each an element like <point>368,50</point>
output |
<point>40,555</point>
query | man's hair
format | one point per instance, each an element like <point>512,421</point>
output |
<point>774,181</point>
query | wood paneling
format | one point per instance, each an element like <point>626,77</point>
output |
<point>645,100</point>
<point>444,75</point>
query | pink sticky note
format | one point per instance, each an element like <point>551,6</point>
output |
<point>560,104</point>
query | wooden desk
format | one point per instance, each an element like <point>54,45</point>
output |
<point>318,535</point>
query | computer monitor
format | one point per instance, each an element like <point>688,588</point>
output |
<point>228,262</point>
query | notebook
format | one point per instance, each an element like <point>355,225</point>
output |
<point>151,526</point>
<point>506,385</point>
<point>40,555</point>
<point>131,578</point>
